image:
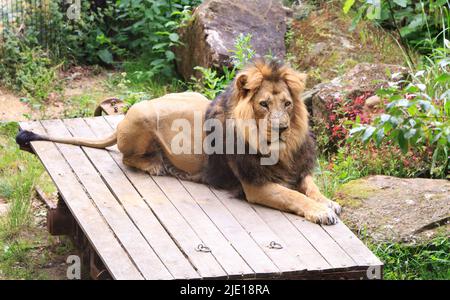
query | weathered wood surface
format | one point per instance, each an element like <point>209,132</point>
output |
<point>151,227</point>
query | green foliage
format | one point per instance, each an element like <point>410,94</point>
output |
<point>417,116</point>
<point>424,23</point>
<point>25,68</point>
<point>79,107</point>
<point>213,82</point>
<point>424,261</point>
<point>19,173</point>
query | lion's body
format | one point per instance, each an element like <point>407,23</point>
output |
<point>146,131</point>
<point>267,92</point>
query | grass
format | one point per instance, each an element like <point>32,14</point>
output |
<point>424,261</point>
<point>19,174</point>
<point>25,247</point>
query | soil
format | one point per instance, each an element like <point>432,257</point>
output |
<point>77,81</point>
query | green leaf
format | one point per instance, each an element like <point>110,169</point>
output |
<point>410,133</point>
<point>348,5</point>
<point>379,136</point>
<point>443,78</point>
<point>368,133</point>
<point>402,3</point>
<point>402,142</point>
<point>106,56</point>
<point>356,130</point>
<point>174,37</point>
<point>170,55</point>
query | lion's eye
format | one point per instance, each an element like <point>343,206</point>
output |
<point>287,103</point>
<point>264,104</point>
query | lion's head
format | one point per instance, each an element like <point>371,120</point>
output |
<point>270,92</point>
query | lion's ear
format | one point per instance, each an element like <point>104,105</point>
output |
<point>296,82</point>
<point>241,82</point>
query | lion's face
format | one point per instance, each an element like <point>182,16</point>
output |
<point>271,93</point>
<point>273,105</point>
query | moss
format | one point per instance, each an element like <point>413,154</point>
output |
<point>352,193</point>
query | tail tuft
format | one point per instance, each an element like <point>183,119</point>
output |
<point>24,137</point>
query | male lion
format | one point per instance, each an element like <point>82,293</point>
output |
<point>266,92</point>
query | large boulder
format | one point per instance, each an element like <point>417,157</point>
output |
<point>363,79</point>
<point>216,24</point>
<point>391,209</point>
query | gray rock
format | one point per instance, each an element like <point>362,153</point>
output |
<point>216,24</point>
<point>396,209</point>
<point>362,78</point>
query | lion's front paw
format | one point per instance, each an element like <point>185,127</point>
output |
<point>335,207</point>
<point>331,204</point>
<point>321,215</point>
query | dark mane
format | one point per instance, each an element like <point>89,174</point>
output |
<point>247,167</point>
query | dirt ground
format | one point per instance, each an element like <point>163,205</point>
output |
<point>77,82</point>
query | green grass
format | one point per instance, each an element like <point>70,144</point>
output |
<point>25,248</point>
<point>20,172</point>
<point>424,261</point>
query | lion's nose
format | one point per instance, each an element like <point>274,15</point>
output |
<point>282,128</point>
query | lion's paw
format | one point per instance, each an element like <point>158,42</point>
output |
<point>324,215</point>
<point>335,207</point>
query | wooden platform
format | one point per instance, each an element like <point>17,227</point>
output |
<point>144,227</point>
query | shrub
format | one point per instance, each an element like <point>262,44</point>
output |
<point>332,131</point>
<point>26,69</point>
<point>423,24</point>
<point>417,116</point>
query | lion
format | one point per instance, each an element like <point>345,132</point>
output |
<point>263,92</point>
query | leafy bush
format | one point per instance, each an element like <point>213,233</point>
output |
<point>423,24</point>
<point>418,115</point>
<point>26,69</point>
<point>331,132</point>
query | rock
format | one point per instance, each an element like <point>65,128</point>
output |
<point>364,78</point>
<point>320,43</point>
<point>216,24</point>
<point>371,104</point>
<point>396,209</point>
<point>3,207</point>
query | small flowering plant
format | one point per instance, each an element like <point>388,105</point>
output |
<point>417,116</point>
<point>342,112</point>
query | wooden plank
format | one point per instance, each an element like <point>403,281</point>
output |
<point>228,257</point>
<point>324,244</point>
<point>127,233</point>
<point>165,253</point>
<point>170,218</point>
<point>260,232</point>
<point>236,234</point>
<point>89,219</point>
<point>296,243</point>
<point>352,245</point>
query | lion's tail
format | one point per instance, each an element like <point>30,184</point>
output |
<point>24,137</point>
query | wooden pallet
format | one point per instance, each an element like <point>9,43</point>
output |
<point>152,227</point>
